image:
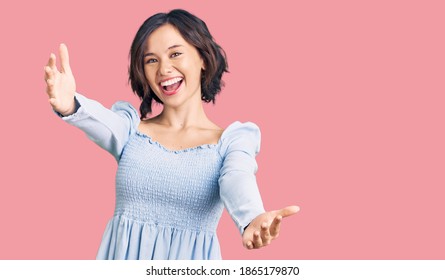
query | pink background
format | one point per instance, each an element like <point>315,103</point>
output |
<point>349,96</point>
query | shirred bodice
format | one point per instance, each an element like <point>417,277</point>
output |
<point>169,188</point>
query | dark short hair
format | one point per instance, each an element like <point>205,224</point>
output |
<point>196,33</point>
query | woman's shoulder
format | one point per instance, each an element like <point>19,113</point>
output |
<point>241,127</point>
<point>125,106</point>
<point>241,136</point>
<point>128,112</point>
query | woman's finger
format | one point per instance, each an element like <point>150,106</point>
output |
<point>46,70</point>
<point>288,211</point>
<point>64,59</point>
<point>265,234</point>
<point>52,62</point>
<point>50,80</point>
<point>249,245</point>
<point>49,73</point>
<point>49,76</point>
<point>49,68</point>
<point>257,242</point>
<point>275,226</point>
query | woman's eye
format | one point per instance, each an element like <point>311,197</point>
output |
<point>175,54</point>
<point>151,60</point>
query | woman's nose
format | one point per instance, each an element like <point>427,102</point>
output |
<point>165,68</point>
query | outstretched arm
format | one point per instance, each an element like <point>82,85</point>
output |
<point>110,129</point>
<point>239,190</point>
<point>266,227</point>
<point>60,84</point>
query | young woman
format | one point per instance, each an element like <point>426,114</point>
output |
<point>177,170</point>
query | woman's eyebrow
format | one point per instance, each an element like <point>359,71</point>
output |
<point>171,47</point>
<point>174,46</point>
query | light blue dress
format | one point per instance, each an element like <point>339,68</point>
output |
<point>168,203</point>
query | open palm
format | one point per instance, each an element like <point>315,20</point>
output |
<point>60,84</point>
<point>266,227</point>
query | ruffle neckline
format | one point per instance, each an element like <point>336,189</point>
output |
<point>203,146</point>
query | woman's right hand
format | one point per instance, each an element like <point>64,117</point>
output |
<point>60,85</point>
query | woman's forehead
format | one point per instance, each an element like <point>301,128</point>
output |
<point>164,38</point>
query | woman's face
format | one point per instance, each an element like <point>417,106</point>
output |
<point>172,67</point>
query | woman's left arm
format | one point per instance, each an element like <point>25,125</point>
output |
<point>239,190</point>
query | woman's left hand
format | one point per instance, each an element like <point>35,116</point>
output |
<point>266,227</point>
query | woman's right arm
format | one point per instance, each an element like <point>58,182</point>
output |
<point>110,129</point>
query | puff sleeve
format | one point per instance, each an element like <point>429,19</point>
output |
<point>110,129</point>
<point>240,143</point>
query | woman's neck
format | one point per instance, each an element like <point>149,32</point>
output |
<point>180,118</point>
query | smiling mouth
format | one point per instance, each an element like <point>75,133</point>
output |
<point>171,85</point>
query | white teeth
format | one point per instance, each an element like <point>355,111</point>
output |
<point>171,82</point>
